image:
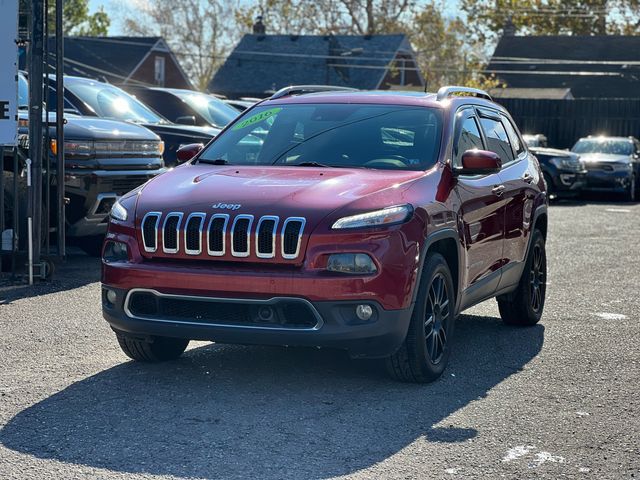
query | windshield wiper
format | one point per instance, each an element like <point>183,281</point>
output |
<point>310,164</point>
<point>217,161</point>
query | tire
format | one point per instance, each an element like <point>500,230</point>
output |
<point>630,194</point>
<point>92,245</point>
<point>525,305</point>
<point>156,349</point>
<point>550,188</point>
<point>424,354</point>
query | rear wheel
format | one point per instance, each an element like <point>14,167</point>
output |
<point>153,349</point>
<point>424,354</point>
<point>524,306</point>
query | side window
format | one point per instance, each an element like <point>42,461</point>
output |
<point>497,139</point>
<point>514,138</point>
<point>468,139</point>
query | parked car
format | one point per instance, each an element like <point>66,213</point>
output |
<point>364,220</point>
<point>612,163</point>
<point>563,170</point>
<point>186,106</point>
<point>240,105</point>
<point>88,97</point>
<point>104,159</point>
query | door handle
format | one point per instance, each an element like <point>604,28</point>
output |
<point>498,190</point>
<point>527,177</point>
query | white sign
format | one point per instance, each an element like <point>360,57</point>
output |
<point>8,71</point>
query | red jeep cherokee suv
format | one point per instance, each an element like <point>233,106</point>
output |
<point>365,221</point>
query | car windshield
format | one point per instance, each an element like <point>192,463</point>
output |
<point>332,135</point>
<point>604,145</point>
<point>111,102</point>
<point>215,111</point>
<point>23,92</point>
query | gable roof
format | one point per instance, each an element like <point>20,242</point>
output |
<point>113,59</point>
<point>265,63</point>
<point>591,66</point>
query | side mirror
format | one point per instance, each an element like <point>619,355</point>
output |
<point>479,162</point>
<point>186,120</point>
<point>187,152</point>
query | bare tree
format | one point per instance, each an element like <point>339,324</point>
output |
<point>200,32</point>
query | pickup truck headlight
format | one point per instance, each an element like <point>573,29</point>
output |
<point>118,212</point>
<point>386,216</point>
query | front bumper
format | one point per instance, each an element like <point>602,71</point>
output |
<point>331,324</point>
<point>91,193</point>
<point>569,182</point>
<point>617,181</point>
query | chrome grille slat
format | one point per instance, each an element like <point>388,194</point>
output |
<point>150,237</point>
<point>171,234</point>
<point>241,236</point>
<point>266,232</point>
<point>292,229</point>
<point>216,234</point>
<point>191,235</point>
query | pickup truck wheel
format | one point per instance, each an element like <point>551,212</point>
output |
<point>156,349</point>
<point>524,306</point>
<point>425,352</point>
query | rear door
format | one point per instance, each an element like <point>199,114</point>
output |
<point>481,212</point>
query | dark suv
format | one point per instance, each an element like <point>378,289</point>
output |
<point>358,220</point>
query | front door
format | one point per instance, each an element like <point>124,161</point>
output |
<point>482,215</point>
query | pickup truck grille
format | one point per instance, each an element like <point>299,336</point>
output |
<point>219,234</point>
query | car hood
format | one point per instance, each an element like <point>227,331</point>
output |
<point>191,133</point>
<point>604,157</point>
<point>94,128</point>
<point>309,192</point>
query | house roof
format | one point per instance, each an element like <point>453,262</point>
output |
<point>539,93</point>
<point>591,66</point>
<point>264,63</point>
<point>113,59</point>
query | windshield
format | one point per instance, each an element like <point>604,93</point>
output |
<point>23,92</point>
<point>334,135</point>
<point>215,111</point>
<point>603,145</point>
<point>111,102</point>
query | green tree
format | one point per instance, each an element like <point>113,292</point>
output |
<point>550,17</point>
<point>76,19</point>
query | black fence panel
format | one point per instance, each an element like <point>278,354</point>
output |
<point>565,121</point>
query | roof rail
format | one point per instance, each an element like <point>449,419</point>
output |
<point>448,91</point>
<point>302,89</point>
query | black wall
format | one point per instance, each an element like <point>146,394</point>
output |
<point>565,121</point>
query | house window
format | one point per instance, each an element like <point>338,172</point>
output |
<point>159,71</point>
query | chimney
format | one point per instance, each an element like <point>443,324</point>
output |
<point>258,27</point>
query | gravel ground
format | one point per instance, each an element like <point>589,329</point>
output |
<point>558,400</point>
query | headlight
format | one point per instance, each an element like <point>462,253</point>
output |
<point>567,163</point>
<point>77,149</point>
<point>118,212</point>
<point>357,263</point>
<point>386,216</point>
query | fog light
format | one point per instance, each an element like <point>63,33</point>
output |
<point>111,297</point>
<point>364,312</point>
<point>351,263</point>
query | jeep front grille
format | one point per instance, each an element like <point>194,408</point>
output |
<point>203,235</point>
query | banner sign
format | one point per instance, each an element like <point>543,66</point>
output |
<point>9,71</point>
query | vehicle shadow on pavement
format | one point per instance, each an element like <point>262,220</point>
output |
<point>265,412</point>
<point>77,271</point>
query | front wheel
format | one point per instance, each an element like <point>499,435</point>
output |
<point>630,194</point>
<point>424,354</point>
<point>153,349</point>
<point>524,306</point>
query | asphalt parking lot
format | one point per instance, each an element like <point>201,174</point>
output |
<point>558,400</point>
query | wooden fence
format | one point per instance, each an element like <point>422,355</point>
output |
<point>565,121</point>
